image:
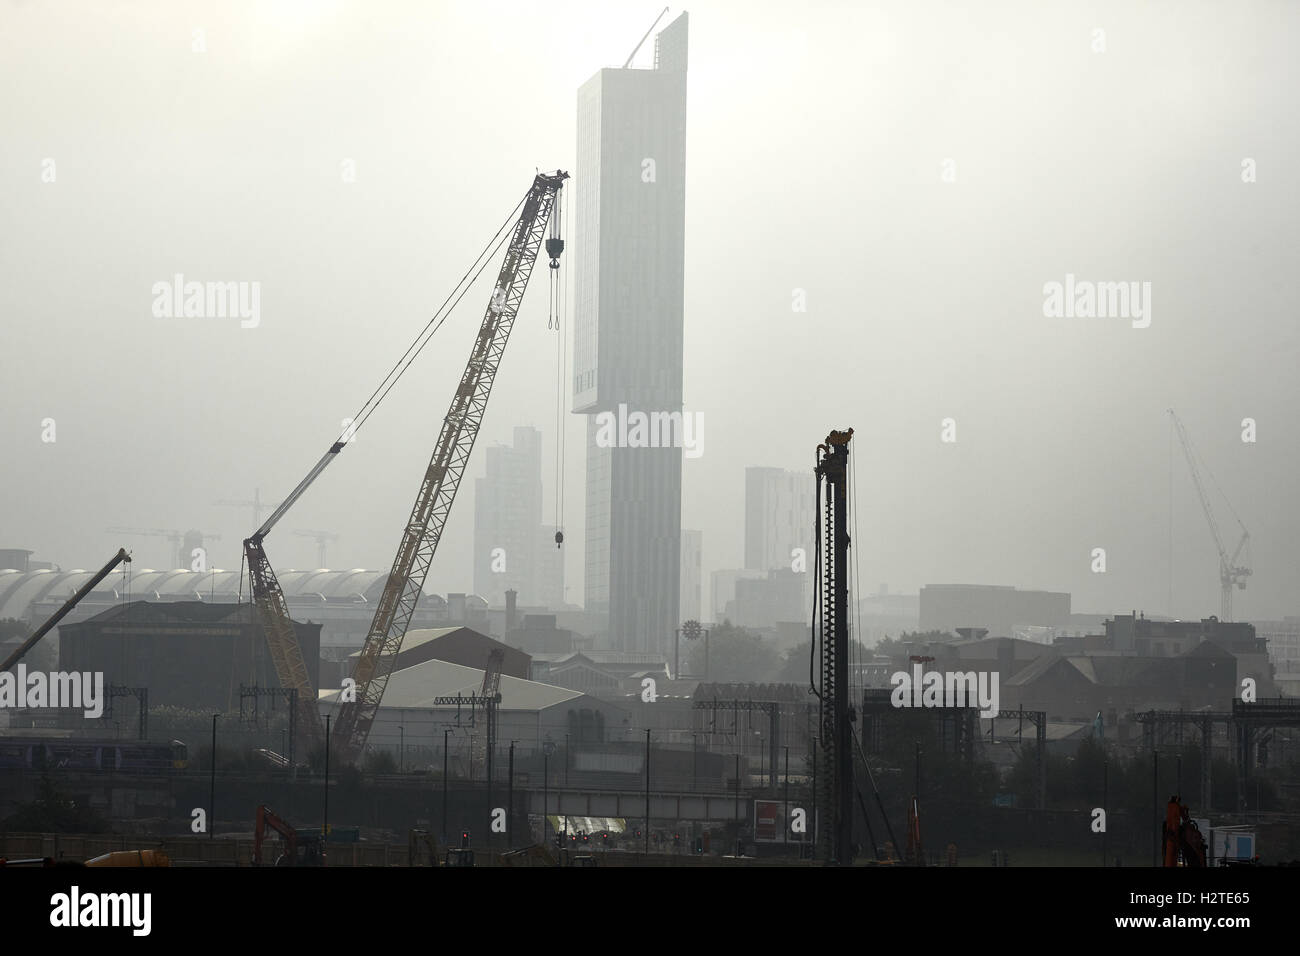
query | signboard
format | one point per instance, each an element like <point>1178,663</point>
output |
<point>1231,844</point>
<point>768,821</point>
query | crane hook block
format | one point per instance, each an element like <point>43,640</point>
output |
<point>559,538</point>
<point>554,247</point>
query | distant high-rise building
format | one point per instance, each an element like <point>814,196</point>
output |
<point>723,588</point>
<point>945,607</point>
<point>512,548</point>
<point>691,604</point>
<point>629,215</point>
<point>779,517</point>
<point>776,598</point>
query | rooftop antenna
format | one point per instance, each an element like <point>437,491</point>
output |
<point>644,38</point>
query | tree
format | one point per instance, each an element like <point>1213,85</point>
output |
<point>54,811</point>
<point>735,655</point>
<point>379,761</point>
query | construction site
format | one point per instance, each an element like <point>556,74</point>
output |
<point>330,717</point>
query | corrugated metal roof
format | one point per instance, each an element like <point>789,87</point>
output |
<point>418,685</point>
<point>422,635</point>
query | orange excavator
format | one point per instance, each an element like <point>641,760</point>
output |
<point>1183,843</point>
<point>300,849</point>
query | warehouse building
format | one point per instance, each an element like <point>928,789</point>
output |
<point>185,653</point>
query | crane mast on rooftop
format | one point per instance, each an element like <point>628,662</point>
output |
<point>1231,574</point>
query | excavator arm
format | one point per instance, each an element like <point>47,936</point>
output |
<point>266,817</point>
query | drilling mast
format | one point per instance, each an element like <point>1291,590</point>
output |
<point>835,782</point>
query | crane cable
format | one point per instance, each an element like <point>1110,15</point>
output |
<point>398,370</point>
<point>481,262</point>
<point>817,584</point>
<point>559,287</point>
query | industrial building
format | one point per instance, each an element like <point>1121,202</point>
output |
<point>1078,687</point>
<point>184,653</point>
<point>456,645</point>
<point>529,713</point>
<point>341,602</point>
<point>607,673</point>
<point>1283,641</point>
<point>946,607</point>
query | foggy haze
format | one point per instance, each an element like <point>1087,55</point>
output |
<point>817,143</point>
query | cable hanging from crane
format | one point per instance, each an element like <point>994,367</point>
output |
<point>559,299</point>
<point>397,371</point>
<point>423,530</point>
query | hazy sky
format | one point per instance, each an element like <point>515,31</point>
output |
<point>816,147</point>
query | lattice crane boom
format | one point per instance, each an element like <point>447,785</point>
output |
<point>281,639</point>
<point>442,477</point>
<point>1230,573</point>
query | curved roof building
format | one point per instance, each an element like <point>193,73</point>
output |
<point>343,601</point>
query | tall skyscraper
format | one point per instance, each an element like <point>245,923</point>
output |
<point>512,548</point>
<point>629,211</point>
<point>779,517</point>
<point>691,605</point>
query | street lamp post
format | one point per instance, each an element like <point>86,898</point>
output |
<point>548,748</point>
<point>325,821</point>
<point>401,755</point>
<point>647,792</point>
<point>787,795</point>
<point>737,809</point>
<point>212,783</point>
<point>510,800</point>
<point>1105,799</point>
<point>445,732</point>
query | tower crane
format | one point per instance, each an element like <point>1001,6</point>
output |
<point>1230,572</point>
<point>176,537</point>
<point>255,503</point>
<point>433,502</point>
<point>322,538</point>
